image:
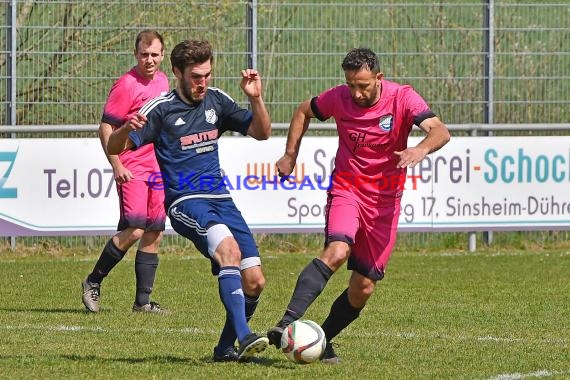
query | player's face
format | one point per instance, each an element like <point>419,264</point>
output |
<point>149,58</point>
<point>364,86</point>
<point>194,81</point>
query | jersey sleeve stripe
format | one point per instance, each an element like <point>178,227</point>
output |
<point>316,110</point>
<point>156,101</point>
<point>222,92</point>
<point>422,116</point>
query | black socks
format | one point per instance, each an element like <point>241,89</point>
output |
<point>110,256</point>
<point>341,315</point>
<point>145,271</point>
<point>310,284</point>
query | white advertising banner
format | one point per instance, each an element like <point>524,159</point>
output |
<point>66,187</point>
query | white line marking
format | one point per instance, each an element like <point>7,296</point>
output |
<point>435,335</point>
<point>517,376</point>
<point>195,330</point>
<point>98,329</point>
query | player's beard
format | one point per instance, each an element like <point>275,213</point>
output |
<point>368,101</point>
<point>187,93</point>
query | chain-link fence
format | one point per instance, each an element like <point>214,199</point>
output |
<point>475,62</point>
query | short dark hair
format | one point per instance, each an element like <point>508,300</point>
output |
<point>147,36</point>
<point>189,52</point>
<point>361,58</point>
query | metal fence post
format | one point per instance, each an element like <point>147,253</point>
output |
<point>472,234</point>
<point>251,27</point>
<point>11,45</point>
<point>251,18</point>
<point>489,43</point>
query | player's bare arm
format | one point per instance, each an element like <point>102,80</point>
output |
<point>297,128</point>
<point>120,172</point>
<point>260,127</point>
<point>119,140</point>
<point>437,135</point>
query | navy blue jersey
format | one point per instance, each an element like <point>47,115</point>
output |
<point>185,141</point>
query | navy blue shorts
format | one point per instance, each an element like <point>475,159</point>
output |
<point>191,217</point>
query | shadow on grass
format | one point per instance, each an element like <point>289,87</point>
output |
<point>151,359</point>
<point>47,310</point>
<point>167,359</point>
<point>258,360</point>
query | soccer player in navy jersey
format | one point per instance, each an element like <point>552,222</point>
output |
<point>374,118</point>
<point>184,126</point>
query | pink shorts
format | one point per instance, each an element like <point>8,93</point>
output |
<point>370,231</point>
<point>141,206</point>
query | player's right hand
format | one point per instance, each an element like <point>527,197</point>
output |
<point>285,166</point>
<point>136,121</point>
<point>122,174</point>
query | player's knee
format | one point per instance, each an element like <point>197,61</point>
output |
<point>156,237</point>
<point>136,234</point>
<point>258,283</point>
<point>360,291</point>
<point>367,290</point>
<point>254,286</point>
<point>128,237</point>
<point>335,254</point>
<point>253,279</point>
<point>151,240</point>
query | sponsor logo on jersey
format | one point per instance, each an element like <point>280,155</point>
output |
<point>359,139</point>
<point>386,123</point>
<point>211,116</point>
<point>199,139</point>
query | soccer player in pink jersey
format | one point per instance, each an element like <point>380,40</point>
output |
<point>374,118</point>
<point>142,214</point>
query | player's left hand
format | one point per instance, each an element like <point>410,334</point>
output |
<point>410,157</point>
<point>251,82</point>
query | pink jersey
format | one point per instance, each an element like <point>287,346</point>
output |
<point>365,163</point>
<point>128,94</point>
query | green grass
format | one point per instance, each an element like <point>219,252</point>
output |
<point>435,316</point>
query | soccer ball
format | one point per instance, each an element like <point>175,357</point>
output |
<point>303,341</point>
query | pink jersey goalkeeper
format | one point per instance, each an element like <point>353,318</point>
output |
<point>128,94</point>
<point>365,163</point>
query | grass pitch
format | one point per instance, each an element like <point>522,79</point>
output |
<point>491,315</point>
